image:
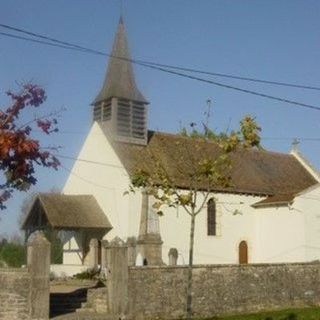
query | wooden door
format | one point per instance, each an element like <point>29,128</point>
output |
<point>243,252</point>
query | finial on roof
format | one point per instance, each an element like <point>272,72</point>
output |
<point>295,144</point>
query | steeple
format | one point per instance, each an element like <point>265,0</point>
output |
<point>120,106</point>
<point>120,81</point>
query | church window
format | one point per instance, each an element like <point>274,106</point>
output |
<point>211,218</point>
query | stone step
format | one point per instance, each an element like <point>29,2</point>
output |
<point>66,303</point>
<point>84,310</point>
<point>71,300</point>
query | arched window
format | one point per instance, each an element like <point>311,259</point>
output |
<point>211,218</point>
<point>243,252</point>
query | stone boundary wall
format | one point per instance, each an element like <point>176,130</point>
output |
<point>15,287</point>
<point>24,293</point>
<point>160,292</point>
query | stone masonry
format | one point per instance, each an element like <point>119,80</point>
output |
<point>160,292</point>
<point>24,293</point>
<point>14,294</point>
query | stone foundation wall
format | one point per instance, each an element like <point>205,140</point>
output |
<point>14,294</point>
<point>160,292</point>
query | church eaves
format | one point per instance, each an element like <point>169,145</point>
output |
<point>120,81</point>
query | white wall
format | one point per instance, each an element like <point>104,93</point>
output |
<point>281,235</point>
<point>308,203</point>
<point>236,222</point>
<point>107,182</point>
<point>72,251</point>
<point>273,234</point>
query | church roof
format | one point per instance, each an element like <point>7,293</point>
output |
<point>67,212</point>
<point>120,81</point>
<point>275,200</point>
<point>252,171</point>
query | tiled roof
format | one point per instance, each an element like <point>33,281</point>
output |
<point>252,171</point>
<point>68,211</point>
<point>276,200</point>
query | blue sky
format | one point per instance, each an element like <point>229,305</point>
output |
<point>275,40</point>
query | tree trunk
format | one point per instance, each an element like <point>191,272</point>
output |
<point>189,283</point>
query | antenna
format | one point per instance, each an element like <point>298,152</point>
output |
<point>208,112</point>
<point>207,115</point>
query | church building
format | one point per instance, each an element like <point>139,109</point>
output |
<point>269,214</point>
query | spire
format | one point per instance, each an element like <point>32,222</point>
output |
<point>120,81</point>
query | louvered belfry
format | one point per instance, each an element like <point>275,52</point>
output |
<point>120,107</point>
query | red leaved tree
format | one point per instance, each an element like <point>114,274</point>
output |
<point>19,152</point>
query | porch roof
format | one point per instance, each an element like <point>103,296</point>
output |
<point>66,212</point>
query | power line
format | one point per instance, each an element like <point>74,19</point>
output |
<point>67,45</point>
<point>292,138</point>
<point>315,198</point>
<point>223,85</point>
<point>110,188</point>
<point>312,139</point>
<point>217,74</point>
<point>87,161</point>
<point>36,41</point>
<point>84,179</point>
<point>224,75</point>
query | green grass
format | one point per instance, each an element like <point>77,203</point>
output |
<point>292,314</point>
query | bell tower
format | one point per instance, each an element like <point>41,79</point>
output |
<point>120,107</point>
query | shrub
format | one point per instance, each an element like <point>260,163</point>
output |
<point>13,255</point>
<point>88,274</point>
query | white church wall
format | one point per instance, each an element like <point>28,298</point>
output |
<point>235,223</point>
<point>107,182</point>
<point>281,234</point>
<point>308,202</point>
<point>273,234</point>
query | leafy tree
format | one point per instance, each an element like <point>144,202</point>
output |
<point>13,254</point>
<point>3,242</point>
<point>19,152</point>
<point>200,169</point>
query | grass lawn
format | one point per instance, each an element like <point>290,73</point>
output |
<point>292,314</point>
